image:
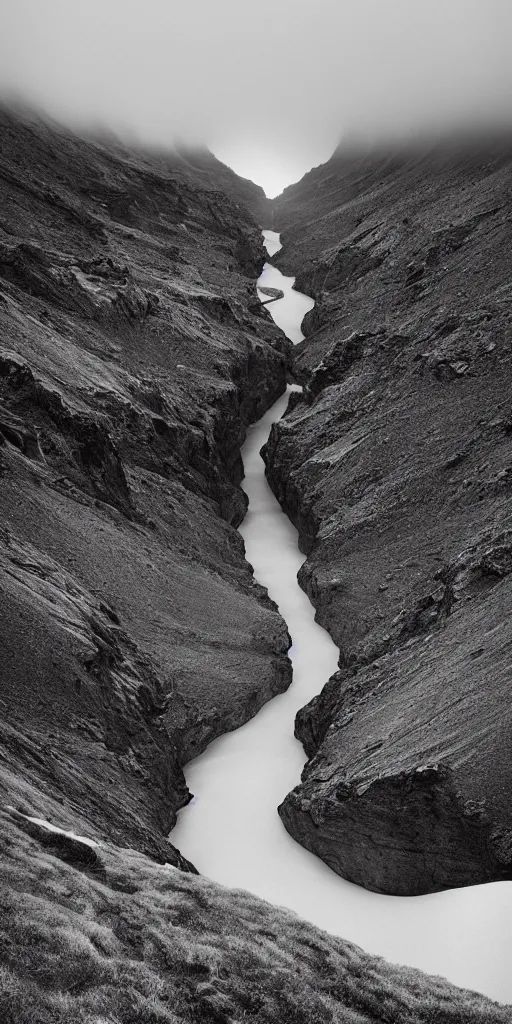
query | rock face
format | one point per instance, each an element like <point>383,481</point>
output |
<point>133,632</point>
<point>395,465</point>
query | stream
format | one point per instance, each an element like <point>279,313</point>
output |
<point>231,830</point>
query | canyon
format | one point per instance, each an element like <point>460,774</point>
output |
<point>135,354</point>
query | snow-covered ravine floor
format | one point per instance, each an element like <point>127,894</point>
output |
<point>231,830</point>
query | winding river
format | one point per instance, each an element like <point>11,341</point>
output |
<point>231,830</point>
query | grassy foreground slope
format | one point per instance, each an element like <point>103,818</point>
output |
<point>129,941</point>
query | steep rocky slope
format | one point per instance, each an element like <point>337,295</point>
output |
<point>215,174</point>
<point>396,468</point>
<point>133,353</point>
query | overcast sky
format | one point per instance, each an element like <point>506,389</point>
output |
<point>270,86</point>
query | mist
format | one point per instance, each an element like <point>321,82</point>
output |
<point>271,89</point>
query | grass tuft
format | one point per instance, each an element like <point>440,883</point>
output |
<point>147,944</point>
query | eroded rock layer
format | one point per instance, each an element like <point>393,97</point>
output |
<point>395,466</point>
<point>133,353</point>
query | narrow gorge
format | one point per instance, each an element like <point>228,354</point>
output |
<point>231,831</point>
<point>149,594</point>
<point>395,469</point>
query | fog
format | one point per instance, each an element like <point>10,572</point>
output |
<point>270,88</point>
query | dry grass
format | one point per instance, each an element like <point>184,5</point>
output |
<point>138,943</point>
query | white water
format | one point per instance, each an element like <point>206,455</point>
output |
<point>272,242</point>
<point>231,830</point>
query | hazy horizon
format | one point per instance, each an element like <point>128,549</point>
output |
<point>273,93</point>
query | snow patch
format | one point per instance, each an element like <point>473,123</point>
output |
<point>54,828</point>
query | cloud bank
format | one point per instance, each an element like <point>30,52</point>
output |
<point>270,87</point>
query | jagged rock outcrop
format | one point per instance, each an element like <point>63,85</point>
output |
<point>394,465</point>
<point>133,631</point>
